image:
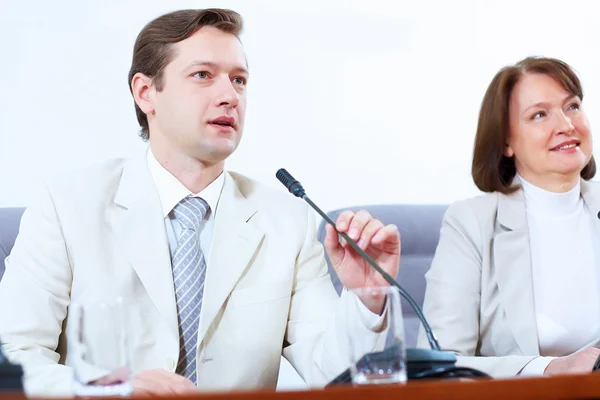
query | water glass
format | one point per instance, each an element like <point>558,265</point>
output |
<point>376,358</point>
<point>98,349</point>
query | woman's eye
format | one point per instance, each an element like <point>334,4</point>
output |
<point>538,115</point>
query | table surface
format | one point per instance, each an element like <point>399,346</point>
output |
<point>586,386</point>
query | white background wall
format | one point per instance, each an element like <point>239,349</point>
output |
<point>364,101</point>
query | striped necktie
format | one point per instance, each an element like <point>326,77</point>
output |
<point>189,271</point>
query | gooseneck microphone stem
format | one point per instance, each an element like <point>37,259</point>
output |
<point>430,336</point>
<point>297,190</point>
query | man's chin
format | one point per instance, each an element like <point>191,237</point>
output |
<point>216,154</point>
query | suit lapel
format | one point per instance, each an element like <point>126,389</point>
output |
<point>140,232</point>
<point>235,241</point>
<point>591,197</point>
<point>512,261</point>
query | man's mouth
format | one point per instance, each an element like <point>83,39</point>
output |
<point>224,121</point>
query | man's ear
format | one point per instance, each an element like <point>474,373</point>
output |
<point>142,88</point>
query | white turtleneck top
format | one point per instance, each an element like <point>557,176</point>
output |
<point>565,266</point>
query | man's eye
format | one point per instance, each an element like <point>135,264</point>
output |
<point>201,74</point>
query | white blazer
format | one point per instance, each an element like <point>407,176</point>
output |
<point>479,298</point>
<point>99,233</point>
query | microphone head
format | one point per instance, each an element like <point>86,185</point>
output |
<point>285,177</point>
<point>290,183</point>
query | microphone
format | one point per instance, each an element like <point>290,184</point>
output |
<point>421,363</point>
<point>297,190</point>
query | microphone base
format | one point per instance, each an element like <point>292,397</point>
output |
<point>418,362</point>
<point>422,360</point>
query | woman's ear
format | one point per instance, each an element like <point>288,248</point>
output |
<point>508,151</point>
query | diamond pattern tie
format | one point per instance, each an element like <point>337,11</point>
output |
<point>189,270</point>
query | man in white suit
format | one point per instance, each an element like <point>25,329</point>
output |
<point>119,229</point>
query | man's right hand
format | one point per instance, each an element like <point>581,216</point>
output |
<point>576,363</point>
<point>160,382</point>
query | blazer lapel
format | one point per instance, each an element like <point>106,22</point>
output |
<point>512,262</point>
<point>235,241</point>
<point>140,232</point>
<point>591,197</point>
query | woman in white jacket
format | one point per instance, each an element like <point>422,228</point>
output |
<point>513,287</point>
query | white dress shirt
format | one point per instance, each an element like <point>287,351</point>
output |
<point>171,192</point>
<point>565,263</point>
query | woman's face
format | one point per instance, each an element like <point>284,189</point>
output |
<point>549,134</point>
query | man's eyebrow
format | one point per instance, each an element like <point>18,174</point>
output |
<point>212,65</point>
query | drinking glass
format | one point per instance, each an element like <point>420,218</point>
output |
<point>98,349</point>
<point>381,357</point>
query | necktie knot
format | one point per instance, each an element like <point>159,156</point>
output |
<point>190,212</point>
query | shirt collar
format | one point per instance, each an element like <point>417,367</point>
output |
<point>171,191</point>
<point>541,201</point>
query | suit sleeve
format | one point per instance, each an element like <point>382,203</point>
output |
<point>319,319</point>
<point>453,295</point>
<point>34,295</point>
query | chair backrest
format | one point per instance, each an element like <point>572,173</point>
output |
<point>419,227</point>
<point>10,219</point>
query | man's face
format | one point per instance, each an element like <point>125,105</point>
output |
<point>201,108</point>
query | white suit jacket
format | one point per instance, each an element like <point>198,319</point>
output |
<point>479,297</point>
<point>99,233</point>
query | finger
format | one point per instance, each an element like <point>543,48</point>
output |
<point>357,224</point>
<point>332,245</point>
<point>149,387</point>
<point>186,384</point>
<point>592,353</point>
<point>137,392</point>
<point>388,233</point>
<point>343,221</point>
<point>177,382</point>
<point>185,389</point>
<point>372,227</point>
<point>331,240</point>
<point>158,381</point>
